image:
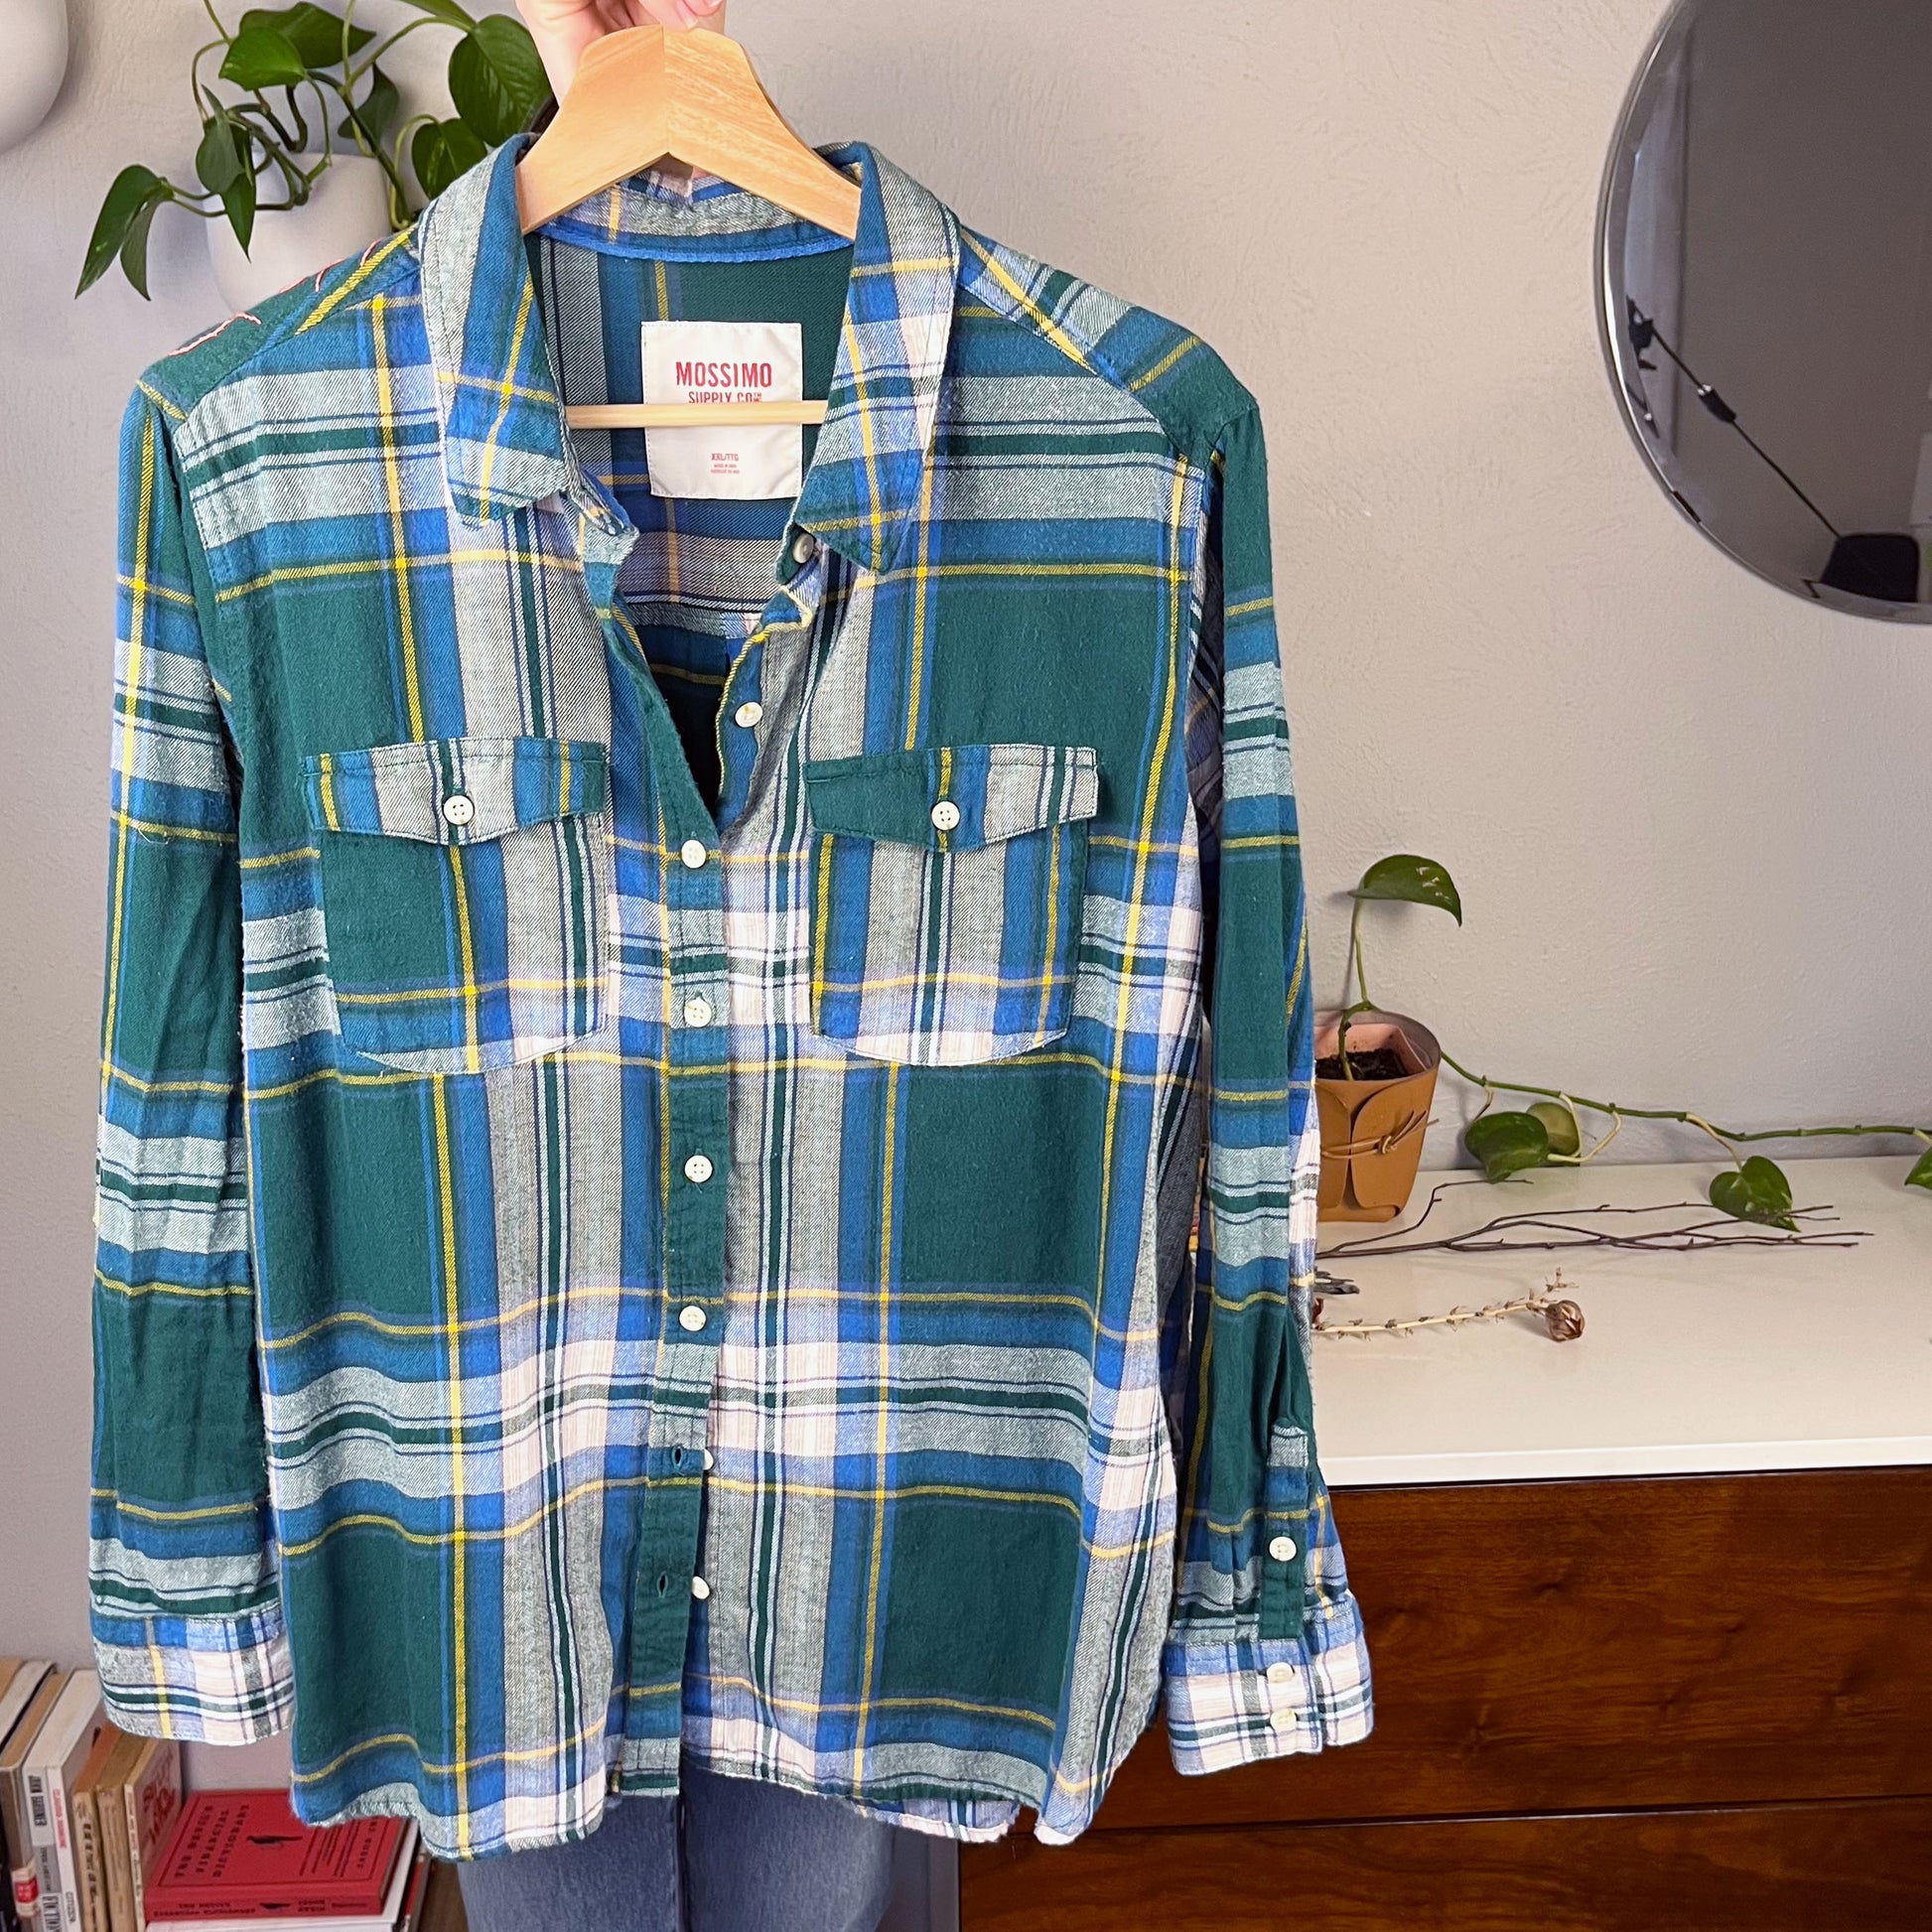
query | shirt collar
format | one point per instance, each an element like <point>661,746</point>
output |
<point>504,444</point>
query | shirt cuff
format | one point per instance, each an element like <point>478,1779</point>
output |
<point>1243,1700</point>
<point>209,1680</point>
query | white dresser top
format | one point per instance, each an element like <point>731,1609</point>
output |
<point>1750,1360</point>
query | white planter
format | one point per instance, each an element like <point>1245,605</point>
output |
<point>346,210</point>
<point>33,63</point>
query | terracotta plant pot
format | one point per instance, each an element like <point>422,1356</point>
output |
<point>1372,1131</point>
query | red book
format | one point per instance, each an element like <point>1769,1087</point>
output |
<point>246,1854</point>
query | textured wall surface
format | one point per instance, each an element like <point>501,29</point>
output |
<point>1687,813</point>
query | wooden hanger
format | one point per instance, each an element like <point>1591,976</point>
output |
<point>652,94</point>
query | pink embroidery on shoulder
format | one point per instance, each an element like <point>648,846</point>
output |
<point>210,335</point>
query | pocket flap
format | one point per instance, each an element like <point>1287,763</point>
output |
<point>454,790</point>
<point>998,791</point>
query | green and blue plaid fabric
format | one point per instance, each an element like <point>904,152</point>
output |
<point>662,1055</point>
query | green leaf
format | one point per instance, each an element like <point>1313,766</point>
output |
<point>1921,1176</point>
<point>376,112</point>
<point>219,157</point>
<point>264,56</point>
<point>1757,1191</point>
<point>1560,1124</point>
<point>496,79</point>
<point>134,245</point>
<point>238,199</point>
<point>447,11</point>
<point>313,33</point>
<point>1419,881</point>
<point>1507,1144</point>
<point>135,188</point>
<point>441,151</point>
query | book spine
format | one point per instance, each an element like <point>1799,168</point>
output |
<point>153,1805</point>
<point>137,1912</point>
<point>24,1883</point>
<point>413,1911</point>
<point>113,1858</point>
<point>138,1916</point>
<point>69,1869</point>
<point>87,1863</point>
<point>47,1864</point>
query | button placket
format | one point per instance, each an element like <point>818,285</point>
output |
<point>668,1574</point>
<point>691,1309</point>
<point>741,703</point>
<point>668,1525</point>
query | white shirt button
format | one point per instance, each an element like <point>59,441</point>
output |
<point>945,815</point>
<point>693,853</point>
<point>1281,1676</point>
<point>805,547</point>
<point>698,1171</point>
<point>700,1588</point>
<point>708,1458</point>
<point>697,1011</point>
<point>1281,1549</point>
<point>690,1317</point>
<point>1281,1720</point>
<point>459,808</point>
<point>749,713</point>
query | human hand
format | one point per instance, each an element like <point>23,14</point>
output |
<point>562,29</point>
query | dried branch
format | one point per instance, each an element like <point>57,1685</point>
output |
<point>1513,1233</point>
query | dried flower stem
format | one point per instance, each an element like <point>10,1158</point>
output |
<point>1562,1318</point>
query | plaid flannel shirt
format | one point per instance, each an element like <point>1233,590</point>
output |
<point>660,1055</point>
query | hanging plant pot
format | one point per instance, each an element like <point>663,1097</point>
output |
<point>1373,1124</point>
<point>33,63</point>
<point>346,210</point>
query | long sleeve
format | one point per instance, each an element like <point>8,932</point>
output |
<point>187,1619</point>
<point>1266,1653</point>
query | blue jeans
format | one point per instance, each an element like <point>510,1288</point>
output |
<point>726,1855</point>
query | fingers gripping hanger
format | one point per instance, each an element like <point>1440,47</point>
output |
<point>652,94</point>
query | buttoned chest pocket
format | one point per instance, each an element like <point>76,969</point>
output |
<point>462,885</point>
<point>946,893</point>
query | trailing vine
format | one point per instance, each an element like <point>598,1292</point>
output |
<point>1552,1131</point>
<point>288,66</point>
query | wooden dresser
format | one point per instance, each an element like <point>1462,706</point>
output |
<point>1650,1613</point>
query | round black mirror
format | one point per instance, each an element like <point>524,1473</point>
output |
<point>1765,259</point>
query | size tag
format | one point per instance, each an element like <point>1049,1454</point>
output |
<point>725,361</point>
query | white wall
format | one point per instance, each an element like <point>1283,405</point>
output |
<point>1688,815</point>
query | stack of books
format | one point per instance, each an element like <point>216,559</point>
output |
<point>98,1837</point>
<point>242,1860</point>
<point>84,1807</point>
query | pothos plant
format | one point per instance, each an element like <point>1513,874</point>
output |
<point>1563,1129</point>
<point>305,85</point>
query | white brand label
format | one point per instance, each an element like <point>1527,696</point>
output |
<point>725,361</point>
